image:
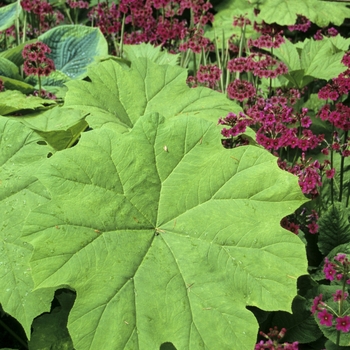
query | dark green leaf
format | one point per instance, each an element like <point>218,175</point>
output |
<point>334,228</point>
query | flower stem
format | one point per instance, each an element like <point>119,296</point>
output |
<point>39,83</point>
<point>341,184</point>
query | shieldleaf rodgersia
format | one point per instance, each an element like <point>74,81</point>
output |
<point>166,236</point>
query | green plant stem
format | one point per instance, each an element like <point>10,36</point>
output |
<point>74,139</point>
<point>270,82</point>
<point>9,330</point>
<point>66,10</point>
<point>17,23</point>
<point>121,44</point>
<point>241,42</point>
<point>24,27</point>
<point>341,184</point>
<point>39,83</point>
<point>338,338</point>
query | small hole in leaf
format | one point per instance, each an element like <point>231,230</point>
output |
<point>167,346</point>
<point>41,143</point>
<point>87,79</point>
<point>49,155</point>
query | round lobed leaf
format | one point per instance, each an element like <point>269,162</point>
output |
<point>166,236</point>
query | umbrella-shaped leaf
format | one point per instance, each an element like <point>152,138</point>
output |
<point>320,59</point>
<point>74,47</point>
<point>153,53</point>
<point>166,236</point>
<point>321,13</point>
<point>56,118</point>
<point>19,193</point>
<point>59,127</point>
<point>119,95</point>
<point>285,12</point>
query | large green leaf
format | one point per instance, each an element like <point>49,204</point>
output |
<point>15,101</point>
<point>74,47</point>
<point>284,12</point>
<point>19,192</point>
<point>328,12</point>
<point>319,59</point>
<point>8,15</point>
<point>60,127</point>
<point>165,235</point>
<point>120,95</point>
<point>56,118</point>
<point>153,53</point>
<point>288,54</point>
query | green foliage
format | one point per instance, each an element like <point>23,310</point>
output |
<point>331,332</point>
<point>9,69</point>
<point>154,54</point>
<point>334,228</point>
<point>74,48</point>
<point>317,11</point>
<point>318,59</point>
<point>146,87</point>
<point>300,324</point>
<point>285,12</point>
<point>8,15</point>
<point>15,101</point>
<point>14,54</point>
<point>14,84</point>
<point>172,253</point>
<point>20,192</point>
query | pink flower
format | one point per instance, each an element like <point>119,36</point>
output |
<point>338,295</point>
<point>330,173</point>
<point>343,324</point>
<point>313,227</point>
<point>315,303</point>
<point>329,270</point>
<point>325,318</point>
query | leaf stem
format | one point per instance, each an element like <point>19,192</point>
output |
<point>9,330</point>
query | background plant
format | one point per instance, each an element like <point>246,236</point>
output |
<point>278,65</point>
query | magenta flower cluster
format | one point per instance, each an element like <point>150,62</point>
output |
<point>338,270</point>
<point>260,64</point>
<point>336,112</point>
<point>207,75</point>
<point>273,341</point>
<point>156,22</point>
<point>278,127</point>
<point>80,4</point>
<point>46,15</point>
<point>302,25</point>
<point>35,60</point>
